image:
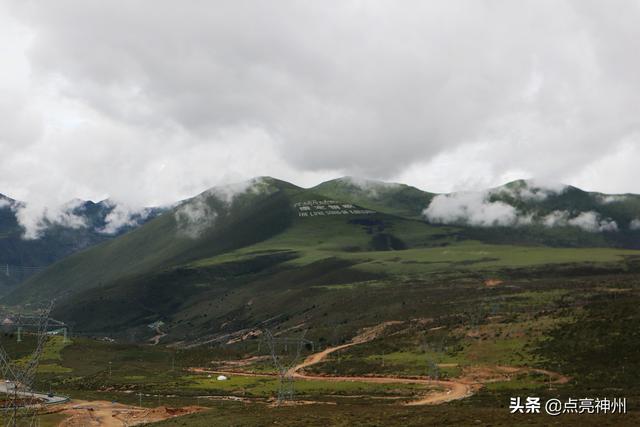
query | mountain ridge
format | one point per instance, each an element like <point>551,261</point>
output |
<point>250,233</point>
<point>81,224</point>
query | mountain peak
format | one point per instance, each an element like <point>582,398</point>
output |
<point>536,184</point>
<point>257,184</point>
<point>391,198</point>
<point>279,183</point>
<point>359,184</point>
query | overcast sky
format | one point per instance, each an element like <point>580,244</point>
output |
<point>152,101</point>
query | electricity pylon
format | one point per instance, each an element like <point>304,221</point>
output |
<point>285,353</point>
<point>21,405</point>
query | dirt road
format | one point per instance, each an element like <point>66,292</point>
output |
<point>368,334</point>
<point>453,390</point>
<point>449,390</point>
<point>155,340</point>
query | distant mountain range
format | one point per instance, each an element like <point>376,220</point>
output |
<point>198,264</point>
<point>78,225</point>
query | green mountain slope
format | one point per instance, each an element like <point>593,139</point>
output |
<point>199,227</point>
<point>391,198</point>
<point>310,252</point>
<point>235,257</point>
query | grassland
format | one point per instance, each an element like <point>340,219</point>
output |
<point>353,414</point>
<point>471,332</point>
<point>582,326</point>
<point>430,248</point>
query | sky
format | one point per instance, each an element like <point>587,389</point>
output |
<point>149,102</point>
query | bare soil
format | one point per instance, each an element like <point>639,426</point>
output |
<point>107,414</point>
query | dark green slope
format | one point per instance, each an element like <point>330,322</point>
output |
<point>209,293</point>
<point>155,272</point>
<point>173,238</point>
<point>250,217</point>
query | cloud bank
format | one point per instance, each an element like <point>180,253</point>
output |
<point>36,218</point>
<point>474,209</point>
<point>122,216</point>
<point>370,187</point>
<point>588,221</point>
<point>149,102</point>
<point>482,209</point>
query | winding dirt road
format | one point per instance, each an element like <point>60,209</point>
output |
<point>451,390</point>
<point>448,390</point>
<point>155,340</point>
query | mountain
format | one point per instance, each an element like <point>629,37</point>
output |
<point>81,224</point>
<point>164,263</point>
<point>531,212</point>
<point>234,257</point>
<point>391,198</point>
<point>201,226</point>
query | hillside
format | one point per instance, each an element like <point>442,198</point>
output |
<point>391,198</point>
<point>235,256</point>
<point>23,255</point>
<point>534,213</point>
<point>182,234</point>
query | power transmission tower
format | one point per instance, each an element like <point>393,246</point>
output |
<point>21,404</point>
<point>19,272</point>
<point>285,353</point>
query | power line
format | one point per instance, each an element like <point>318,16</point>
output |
<point>19,271</point>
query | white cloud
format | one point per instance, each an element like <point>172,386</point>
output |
<point>149,102</point>
<point>605,199</point>
<point>228,192</point>
<point>556,219</point>
<point>35,219</point>
<point>479,210</point>
<point>195,217</point>
<point>588,221</point>
<point>372,187</point>
<point>473,208</point>
<point>122,216</point>
<point>532,190</point>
